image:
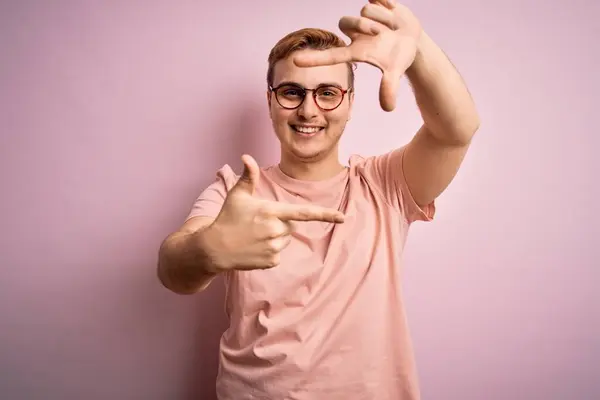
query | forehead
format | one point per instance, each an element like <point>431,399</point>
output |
<point>286,70</point>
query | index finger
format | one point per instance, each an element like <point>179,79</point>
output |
<point>292,212</point>
<point>315,58</point>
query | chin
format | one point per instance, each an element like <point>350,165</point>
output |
<point>306,146</point>
<point>310,151</point>
<point>308,156</point>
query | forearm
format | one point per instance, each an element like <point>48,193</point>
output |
<point>183,265</point>
<point>444,101</point>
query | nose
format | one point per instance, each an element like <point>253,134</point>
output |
<point>308,109</point>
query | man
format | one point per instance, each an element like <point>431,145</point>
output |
<point>310,249</point>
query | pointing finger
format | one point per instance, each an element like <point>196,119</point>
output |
<point>291,212</point>
<point>314,58</point>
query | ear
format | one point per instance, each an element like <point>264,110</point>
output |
<point>350,104</point>
<point>269,102</point>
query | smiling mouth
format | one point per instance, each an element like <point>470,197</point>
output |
<point>307,130</point>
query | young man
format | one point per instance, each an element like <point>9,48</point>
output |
<point>309,249</point>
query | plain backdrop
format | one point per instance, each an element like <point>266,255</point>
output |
<point>114,116</point>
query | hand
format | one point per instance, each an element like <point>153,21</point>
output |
<point>250,233</point>
<point>385,36</point>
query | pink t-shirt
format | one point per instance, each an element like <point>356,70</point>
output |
<point>328,323</point>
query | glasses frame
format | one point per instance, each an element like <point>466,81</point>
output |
<point>273,90</point>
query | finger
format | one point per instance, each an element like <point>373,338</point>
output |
<point>267,261</point>
<point>249,178</point>
<point>390,4</point>
<point>351,26</point>
<point>278,244</point>
<point>388,90</point>
<point>277,228</point>
<point>380,14</point>
<point>314,58</point>
<point>291,212</point>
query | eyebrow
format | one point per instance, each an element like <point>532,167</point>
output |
<point>302,86</point>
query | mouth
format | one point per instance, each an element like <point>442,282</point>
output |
<point>307,131</point>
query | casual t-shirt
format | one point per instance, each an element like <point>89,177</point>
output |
<point>328,323</point>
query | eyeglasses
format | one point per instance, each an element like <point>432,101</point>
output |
<point>327,97</point>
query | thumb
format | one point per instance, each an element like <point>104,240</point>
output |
<point>388,91</point>
<point>249,178</point>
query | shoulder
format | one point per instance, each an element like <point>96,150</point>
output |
<point>367,171</point>
<point>360,162</point>
<point>226,176</point>
<point>357,163</point>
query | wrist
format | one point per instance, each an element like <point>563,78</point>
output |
<point>420,54</point>
<point>205,244</point>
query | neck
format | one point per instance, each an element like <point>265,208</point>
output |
<point>311,170</point>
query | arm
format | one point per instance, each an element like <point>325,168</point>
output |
<point>183,265</point>
<point>248,233</point>
<point>434,155</point>
<point>389,37</point>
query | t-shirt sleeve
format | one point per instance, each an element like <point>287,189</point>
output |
<point>210,201</point>
<point>386,173</point>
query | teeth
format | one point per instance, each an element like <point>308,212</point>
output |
<point>305,129</point>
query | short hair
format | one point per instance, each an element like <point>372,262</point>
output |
<point>307,38</point>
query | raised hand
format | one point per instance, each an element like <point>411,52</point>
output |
<point>249,232</point>
<point>386,35</point>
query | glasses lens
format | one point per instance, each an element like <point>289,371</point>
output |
<point>329,97</point>
<point>290,96</point>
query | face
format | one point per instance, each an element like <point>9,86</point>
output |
<point>309,133</point>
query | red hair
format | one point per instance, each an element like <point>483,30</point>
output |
<point>308,38</point>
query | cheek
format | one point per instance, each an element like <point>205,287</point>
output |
<point>338,119</point>
<point>280,118</point>
<point>274,112</point>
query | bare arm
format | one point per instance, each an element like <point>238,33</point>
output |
<point>183,265</point>
<point>248,233</point>
<point>385,36</point>
<point>435,154</point>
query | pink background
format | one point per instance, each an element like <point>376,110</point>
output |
<point>115,116</point>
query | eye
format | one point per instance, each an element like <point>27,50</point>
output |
<point>329,91</point>
<point>291,92</point>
